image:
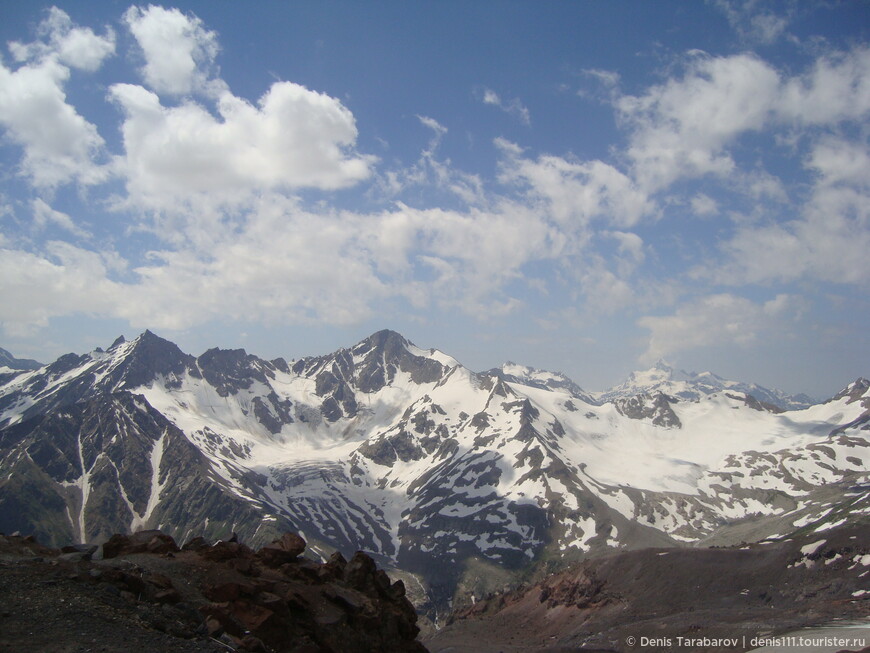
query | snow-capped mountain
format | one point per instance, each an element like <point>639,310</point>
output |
<point>463,479</point>
<point>691,386</point>
<point>530,376</point>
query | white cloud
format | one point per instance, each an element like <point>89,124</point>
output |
<point>576,192</point>
<point>69,44</point>
<point>753,21</point>
<point>214,173</point>
<point>431,171</point>
<point>686,126</point>
<point>761,185</point>
<point>43,214</point>
<point>715,320</point>
<point>827,241</point>
<point>65,280</point>
<point>680,129</point>
<point>839,161</point>
<point>704,205</point>
<point>608,78</point>
<point>514,107</point>
<point>629,243</point>
<point>179,52</point>
<point>59,144</point>
<point>836,89</point>
<point>286,264</point>
<point>292,138</point>
<point>605,292</point>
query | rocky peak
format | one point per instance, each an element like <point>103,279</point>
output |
<point>230,370</point>
<point>26,364</point>
<point>380,356</point>
<point>385,341</point>
<point>146,358</point>
<point>854,391</point>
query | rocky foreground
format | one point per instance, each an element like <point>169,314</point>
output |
<point>645,600</point>
<point>147,594</point>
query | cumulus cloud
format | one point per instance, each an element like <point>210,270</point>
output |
<point>179,52</point>
<point>59,145</point>
<point>292,138</point>
<point>66,43</point>
<point>680,129</point>
<point>827,244</point>
<point>721,319</point>
<point>837,88</point>
<point>576,192</point>
<point>687,126</point>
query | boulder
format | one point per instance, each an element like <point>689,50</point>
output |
<point>286,549</point>
<point>141,542</point>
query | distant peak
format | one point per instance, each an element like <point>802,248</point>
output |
<point>8,360</point>
<point>148,336</point>
<point>385,335</point>
<point>386,340</point>
<point>120,340</point>
<point>149,343</point>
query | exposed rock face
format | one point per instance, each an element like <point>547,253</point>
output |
<point>656,408</point>
<point>184,600</point>
<point>97,467</point>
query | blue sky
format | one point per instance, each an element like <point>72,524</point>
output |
<point>577,186</point>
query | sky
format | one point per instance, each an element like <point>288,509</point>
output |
<point>584,187</point>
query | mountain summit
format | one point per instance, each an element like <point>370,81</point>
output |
<point>691,386</point>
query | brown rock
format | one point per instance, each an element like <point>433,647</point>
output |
<point>167,596</point>
<point>360,572</point>
<point>286,549</point>
<point>159,580</point>
<point>224,592</point>
<point>141,542</point>
<point>195,544</point>
<point>223,551</point>
<point>224,615</point>
<point>291,543</point>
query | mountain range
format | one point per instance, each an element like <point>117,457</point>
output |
<point>462,482</point>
